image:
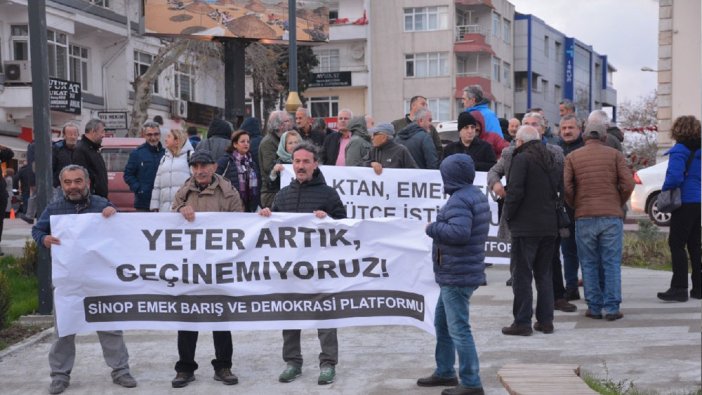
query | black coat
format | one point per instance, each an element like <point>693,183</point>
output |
<point>62,156</point>
<point>480,151</point>
<point>308,197</point>
<point>530,204</point>
<point>87,154</point>
<point>330,149</point>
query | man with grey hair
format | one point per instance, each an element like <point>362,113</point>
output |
<point>416,103</point>
<point>474,100</point>
<point>87,154</point>
<point>534,185</point>
<point>75,183</point>
<point>386,153</point>
<point>140,170</point>
<point>614,135</point>
<point>417,141</point>
<point>303,124</point>
<point>566,107</point>
<point>597,185</point>
<point>278,123</point>
<point>334,147</point>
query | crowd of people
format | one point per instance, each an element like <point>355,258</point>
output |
<point>565,195</point>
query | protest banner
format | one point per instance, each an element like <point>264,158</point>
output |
<point>239,271</point>
<point>414,194</point>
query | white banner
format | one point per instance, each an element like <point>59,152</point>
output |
<point>236,271</point>
<point>406,193</point>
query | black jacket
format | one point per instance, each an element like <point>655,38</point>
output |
<point>62,157</point>
<point>570,147</point>
<point>391,156</point>
<point>419,144</point>
<point>480,151</point>
<point>530,204</point>
<point>87,154</point>
<point>308,197</point>
<point>330,149</point>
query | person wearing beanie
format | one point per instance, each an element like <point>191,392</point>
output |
<point>386,153</point>
<point>219,134</point>
<point>480,151</point>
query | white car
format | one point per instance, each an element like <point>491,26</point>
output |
<point>448,132</point>
<point>648,185</point>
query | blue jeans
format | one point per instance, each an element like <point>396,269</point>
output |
<point>600,252</point>
<point>453,335</point>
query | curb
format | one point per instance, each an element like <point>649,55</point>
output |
<point>36,338</point>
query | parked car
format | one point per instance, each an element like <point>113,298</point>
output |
<point>115,151</point>
<point>648,186</point>
<point>448,132</point>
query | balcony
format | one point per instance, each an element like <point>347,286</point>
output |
<point>348,32</point>
<point>472,38</point>
<point>609,97</point>
<point>487,3</point>
<point>475,79</point>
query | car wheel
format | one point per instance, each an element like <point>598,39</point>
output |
<point>659,218</point>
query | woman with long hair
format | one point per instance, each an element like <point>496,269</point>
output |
<point>173,170</point>
<point>684,172</point>
<point>241,170</point>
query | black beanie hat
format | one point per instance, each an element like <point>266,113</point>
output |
<point>465,119</point>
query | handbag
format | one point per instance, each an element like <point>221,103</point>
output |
<point>562,218</point>
<point>671,200</point>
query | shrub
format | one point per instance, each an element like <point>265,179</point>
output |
<point>646,248</point>
<point>28,262</point>
<point>4,300</point>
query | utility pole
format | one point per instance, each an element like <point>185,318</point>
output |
<point>293,102</point>
<point>234,79</point>
<point>42,138</point>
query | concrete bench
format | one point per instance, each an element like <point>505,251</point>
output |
<point>543,379</point>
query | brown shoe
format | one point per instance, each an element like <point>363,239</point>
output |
<point>589,314</point>
<point>614,317</point>
<point>545,328</point>
<point>564,306</point>
<point>517,330</point>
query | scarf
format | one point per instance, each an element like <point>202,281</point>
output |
<point>248,182</point>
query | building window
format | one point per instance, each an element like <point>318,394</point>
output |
<point>101,3</point>
<point>328,60</point>
<point>559,52</point>
<point>58,54</point>
<point>431,64</point>
<point>507,31</point>
<point>546,46</point>
<point>508,112</point>
<point>496,28</point>
<point>185,81</point>
<point>557,92</point>
<point>324,107</point>
<point>426,18</point>
<point>507,74</point>
<point>142,61</point>
<point>547,93</point>
<point>20,42</point>
<point>496,69</point>
<point>78,60</point>
<point>440,108</point>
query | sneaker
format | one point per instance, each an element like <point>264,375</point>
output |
<point>545,328</point>
<point>572,294</point>
<point>57,386</point>
<point>182,379</point>
<point>461,390</point>
<point>517,330</point>
<point>590,314</point>
<point>326,375</point>
<point>564,306</point>
<point>226,376</point>
<point>437,381</point>
<point>674,295</point>
<point>615,316</point>
<point>125,380</point>
<point>696,293</point>
<point>290,374</point>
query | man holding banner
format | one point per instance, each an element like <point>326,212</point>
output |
<point>205,191</point>
<point>308,193</point>
<point>75,182</point>
<point>459,234</point>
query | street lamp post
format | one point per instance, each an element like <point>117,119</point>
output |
<point>293,102</point>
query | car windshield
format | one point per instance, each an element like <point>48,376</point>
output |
<point>116,158</point>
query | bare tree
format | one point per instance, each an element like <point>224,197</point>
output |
<point>638,114</point>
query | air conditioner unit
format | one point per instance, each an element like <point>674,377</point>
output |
<point>17,71</point>
<point>179,108</point>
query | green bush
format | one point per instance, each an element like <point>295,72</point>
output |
<point>646,248</point>
<point>28,262</point>
<point>4,300</point>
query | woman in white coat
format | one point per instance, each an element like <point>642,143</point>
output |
<point>172,172</point>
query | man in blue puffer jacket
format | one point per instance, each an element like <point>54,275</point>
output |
<point>458,252</point>
<point>140,171</point>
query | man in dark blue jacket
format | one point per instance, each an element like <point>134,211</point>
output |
<point>143,162</point>
<point>458,252</point>
<point>77,199</point>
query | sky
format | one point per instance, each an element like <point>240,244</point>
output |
<point>624,30</point>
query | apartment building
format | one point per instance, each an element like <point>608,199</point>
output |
<point>435,49</point>
<point>550,67</point>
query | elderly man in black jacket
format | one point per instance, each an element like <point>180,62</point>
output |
<point>87,154</point>
<point>308,193</point>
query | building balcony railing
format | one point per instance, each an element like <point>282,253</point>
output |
<point>487,3</point>
<point>463,32</point>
